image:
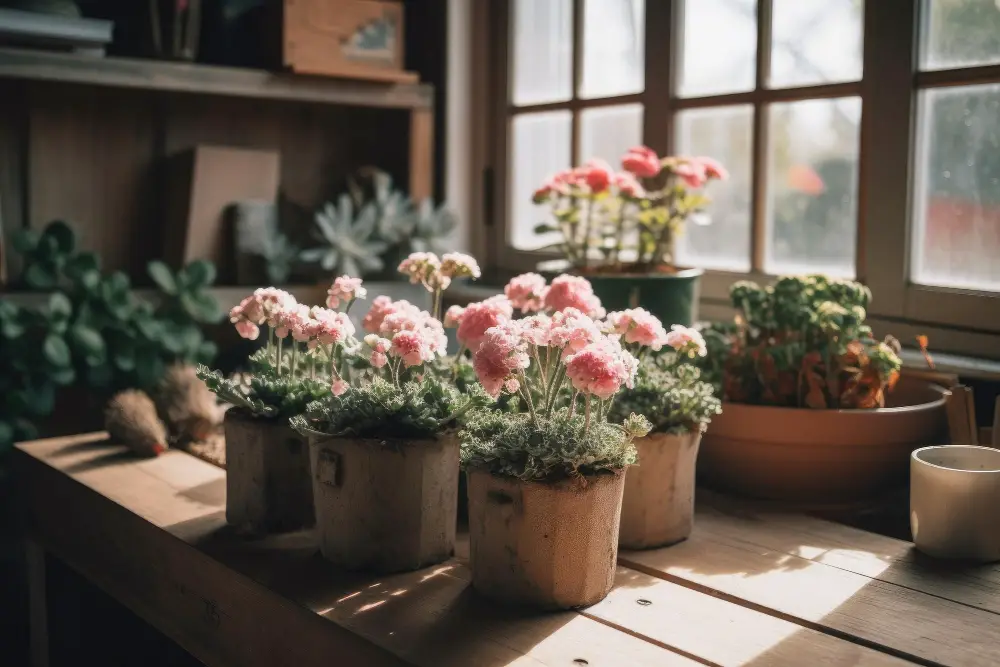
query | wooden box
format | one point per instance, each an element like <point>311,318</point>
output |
<point>358,39</point>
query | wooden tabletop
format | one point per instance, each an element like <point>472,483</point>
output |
<point>748,589</point>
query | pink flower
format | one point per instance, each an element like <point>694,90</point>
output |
<point>526,292</point>
<point>686,341</point>
<point>596,174</point>
<point>329,326</point>
<point>601,368</point>
<point>247,329</point>
<point>425,268</point>
<point>573,330</point>
<point>478,317</point>
<point>345,289</point>
<point>272,302</point>
<point>568,291</point>
<point>411,347</point>
<point>381,306</point>
<point>339,387</point>
<point>453,316</point>
<point>377,343</point>
<point>512,385</point>
<point>692,173</point>
<point>628,186</point>
<point>501,354</point>
<point>713,168</point>
<point>641,161</point>
<point>542,194</point>
<point>459,265</point>
<point>292,320</point>
<point>638,325</point>
<point>378,359</point>
<point>537,329</point>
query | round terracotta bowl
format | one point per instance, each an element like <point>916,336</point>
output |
<point>821,458</point>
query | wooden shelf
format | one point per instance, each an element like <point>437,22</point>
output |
<point>209,80</point>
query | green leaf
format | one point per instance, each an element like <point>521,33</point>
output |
<point>544,228</point>
<point>124,360</point>
<point>40,277</point>
<point>56,351</point>
<point>25,241</point>
<point>60,307</point>
<point>201,306</point>
<point>7,436</point>
<point>172,340</point>
<point>63,236</point>
<point>40,400</point>
<point>150,329</point>
<point>63,376</point>
<point>207,351</point>
<point>89,341</point>
<point>200,273</point>
<point>163,277</point>
<point>149,368</point>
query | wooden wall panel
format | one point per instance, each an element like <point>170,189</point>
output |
<point>13,125</point>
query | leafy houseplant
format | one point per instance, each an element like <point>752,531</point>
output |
<point>92,331</point>
<point>620,228</point>
<point>814,409</point>
<point>383,447</point>
<point>552,461</point>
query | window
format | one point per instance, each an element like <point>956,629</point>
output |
<point>862,138</point>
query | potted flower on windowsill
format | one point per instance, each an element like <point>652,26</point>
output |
<point>658,506</point>
<point>814,410</point>
<point>268,485</point>
<point>620,229</point>
<point>546,474</point>
<point>383,449</point>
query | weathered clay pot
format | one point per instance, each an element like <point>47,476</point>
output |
<point>385,505</point>
<point>821,458</point>
<point>268,485</point>
<point>551,546</point>
<point>658,506</point>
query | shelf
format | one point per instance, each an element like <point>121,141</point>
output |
<point>209,80</point>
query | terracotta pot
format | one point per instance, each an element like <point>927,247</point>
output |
<point>551,546</point>
<point>268,485</point>
<point>385,505</point>
<point>955,502</point>
<point>821,458</point>
<point>658,506</point>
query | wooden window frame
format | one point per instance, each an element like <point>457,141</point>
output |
<point>960,320</point>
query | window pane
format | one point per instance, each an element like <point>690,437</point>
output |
<point>960,33</point>
<point>607,132</point>
<point>720,47</point>
<point>815,41</point>
<point>725,133</point>
<point>542,51</point>
<point>613,47</point>
<point>956,240</point>
<point>540,146</point>
<point>812,186</point>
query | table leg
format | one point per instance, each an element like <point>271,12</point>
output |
<point>37,608</point>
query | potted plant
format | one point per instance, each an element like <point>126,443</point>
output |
<point>658,506</point>
<point>619,228</point>
<point>814,411</point>
<point>546,473</point>
<point>383,448</point>
<point>268,481</point>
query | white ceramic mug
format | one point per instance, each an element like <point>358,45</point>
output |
<point>955,501</point>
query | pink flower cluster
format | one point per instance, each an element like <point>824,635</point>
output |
<point>436,274</point>
<point>568,291</point>
<point>501,356</point>
<point>403,330</point>
<point>280,311</point>
<point>526,292</point>
<point>262,307</point>
<point>696,171</point>
<point>344,290</point>
<point>686,341</point>
<point>421,267</point>
<point>638,325</point>
<point>602,368</point>
<point>593,178</point>
<point>642,161</point>
<point>476,318</point>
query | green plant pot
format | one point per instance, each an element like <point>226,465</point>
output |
<point>672,297</point>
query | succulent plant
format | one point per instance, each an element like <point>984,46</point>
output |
<point>351,245</point>
<point>432,228</point>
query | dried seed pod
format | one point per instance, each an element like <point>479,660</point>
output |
<point>131,419</point>
<point>188,407</point>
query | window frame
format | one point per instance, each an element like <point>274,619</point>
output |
<point>959,320</point>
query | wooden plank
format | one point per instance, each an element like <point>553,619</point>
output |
<point>421,154</point>
<point>837,581</point>
<point>161,547</point>
<point>212,80</point>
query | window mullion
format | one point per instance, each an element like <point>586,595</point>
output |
<point>890,41</point>
<point>578,10</point>
<point>758,235</point>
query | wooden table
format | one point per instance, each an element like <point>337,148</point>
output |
<point>748,588</point>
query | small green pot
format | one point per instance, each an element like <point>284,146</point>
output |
<point>672,297</point>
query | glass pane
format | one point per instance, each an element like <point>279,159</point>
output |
<point>812,182</point>
<point>613,47</point>
<point>719,52</point>
<point>726,134</point>
<point>542,51</point>
<point>956,240</point>
<point>960,33</point>
<point>540,146</point>
<point>815,41</point>
<point>607,132</point>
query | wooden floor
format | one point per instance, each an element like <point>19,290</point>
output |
<point>749,588</point>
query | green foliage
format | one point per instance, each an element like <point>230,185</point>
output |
<point>416,410</point>
<point>267,395</point>
<point>672,396</point>
<point>556,448</point>
<point>92,331</point>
